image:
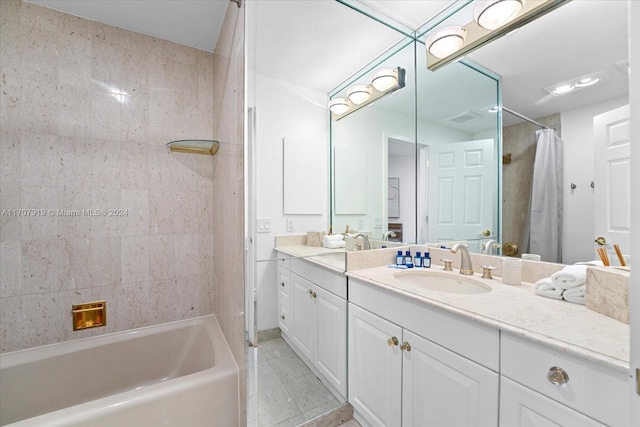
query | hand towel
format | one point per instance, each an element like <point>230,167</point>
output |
<point>570,276</point>
<point>328,239</point>
<point>546,288</point>
<point>575,294</point>
<point>334,244</point>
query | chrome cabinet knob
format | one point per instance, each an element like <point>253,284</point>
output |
<point>282,283</point>
<point>393,341</point>
<point>282,317</point>
<point>405,346</point>
<point>557,376</point>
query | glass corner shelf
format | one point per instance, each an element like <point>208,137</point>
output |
<point>194,146</point>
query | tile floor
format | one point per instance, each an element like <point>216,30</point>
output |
<point>281,390</point>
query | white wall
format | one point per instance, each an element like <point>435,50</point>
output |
<point>577,134</point>
<point>282,110</point>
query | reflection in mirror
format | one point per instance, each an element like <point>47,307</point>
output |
<point>422,163</point>
<point>545,53</point>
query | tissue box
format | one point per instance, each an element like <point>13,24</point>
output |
<point>607,292</point>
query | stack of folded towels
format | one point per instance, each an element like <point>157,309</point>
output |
<point>568,283</point>
<point>333,241</point>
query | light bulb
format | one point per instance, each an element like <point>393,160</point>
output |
<point>339,106</point>
<point>443,42</point>
<point>492,14</point>
<point>384,79</point>
<point>359,93</point>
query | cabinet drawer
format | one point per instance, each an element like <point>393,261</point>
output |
<point>284,315</point>
<point>521,407</point>
<point>284,284</point>
<point>327,279</point>
<point>595,390</point>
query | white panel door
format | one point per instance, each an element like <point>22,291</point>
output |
<point>441,388</point>
<point>612,189</point>
<point>375,369</point>
<point>302,322</point>
<point>523,407</point>
<point>462,192</point>
<point>331,338</point>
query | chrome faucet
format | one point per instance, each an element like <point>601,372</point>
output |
<point>489,246</point>
<point>365,240</point>
<point>465,260</point>
<point>388,234</point>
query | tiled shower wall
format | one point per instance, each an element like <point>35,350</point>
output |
<point>86,110</point>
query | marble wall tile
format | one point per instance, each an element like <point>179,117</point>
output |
<point>86,110</point>
<point>607,292</point>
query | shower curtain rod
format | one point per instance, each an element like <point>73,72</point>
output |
<point>524,117</point>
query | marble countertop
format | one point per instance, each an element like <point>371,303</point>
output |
<point>567,327</point>
<point>333,259</point>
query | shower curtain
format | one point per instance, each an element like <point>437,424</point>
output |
<point>543,233</point>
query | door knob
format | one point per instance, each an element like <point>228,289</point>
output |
<point>486,233</point>
<point>601,240</point>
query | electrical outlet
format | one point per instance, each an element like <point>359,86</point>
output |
<point>290,226</point>
<point>378,222</point>
<point>264,225</point>
<point>360,224</point>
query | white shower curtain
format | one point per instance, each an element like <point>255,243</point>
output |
<point>543,234</point>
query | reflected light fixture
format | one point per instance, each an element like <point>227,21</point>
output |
<point>443,42</point>
<point>359,93</point>
<point>384,79</point>
<point>339,105</point>
<point>588,81</point>
<point>382,82</point>
<point>492,14</point>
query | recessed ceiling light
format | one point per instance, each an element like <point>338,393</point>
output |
<point>558,90</point>
<point>587,81</point>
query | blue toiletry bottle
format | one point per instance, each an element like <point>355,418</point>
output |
<point>408,261</point>
<point>426,261</point>
<point>399,258</point>
<point>417,260</point>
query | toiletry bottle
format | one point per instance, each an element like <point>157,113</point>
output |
<point>426,260</point>
<point>417,260</point>
<point>399,258</point>
<point>408,261</point>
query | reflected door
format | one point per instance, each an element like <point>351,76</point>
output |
<point>462,183</point>
<point>612,192</point>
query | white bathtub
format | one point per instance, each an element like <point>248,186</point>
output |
<point>176,374</point>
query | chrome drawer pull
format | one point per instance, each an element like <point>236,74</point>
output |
<point>557,376</point>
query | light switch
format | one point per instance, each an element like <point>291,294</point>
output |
<point>290,225</point>
<point>264,225</point>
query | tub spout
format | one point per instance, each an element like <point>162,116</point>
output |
<point>465,260</point>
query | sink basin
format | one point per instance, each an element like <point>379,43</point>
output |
<point>442,282</point>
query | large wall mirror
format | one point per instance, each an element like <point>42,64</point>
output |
<point>451,105</point>
<point>422,161</point>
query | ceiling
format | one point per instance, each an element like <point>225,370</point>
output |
<point>319,44</point>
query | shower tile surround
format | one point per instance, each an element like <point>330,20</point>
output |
<point>68,143</point>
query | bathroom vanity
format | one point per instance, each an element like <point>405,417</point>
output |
<point>506,357</point>
<point>312,313</point>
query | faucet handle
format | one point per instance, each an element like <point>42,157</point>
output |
<point>447,264</point>
<point>486,271</point>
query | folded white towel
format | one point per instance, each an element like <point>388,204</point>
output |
<point>334,244</point>
<point>326,239</point>
<point>575,294</point>
<point>570,276</point>
<point>546,288</point>
<point>592,263</point>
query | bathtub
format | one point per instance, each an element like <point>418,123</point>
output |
<point>176,374</point>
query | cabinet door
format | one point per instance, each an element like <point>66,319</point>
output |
<point>375,368</point>
<point>331,338</point>
<point>523,407</point>
<point>302,324</point>
<point>441,388</point>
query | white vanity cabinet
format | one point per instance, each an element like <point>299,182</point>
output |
<point>284,295</point>
<point>316,324</point>
<point>541,386</point>
<point>409,365</point>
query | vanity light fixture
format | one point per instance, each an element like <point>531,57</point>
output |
<point>445,41</point>
<point>359,93</point>
<point>492,14</point>
<point>339,105</point>
<point>384,79</point>
<point>382,83</point>
<point>493,19</point>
